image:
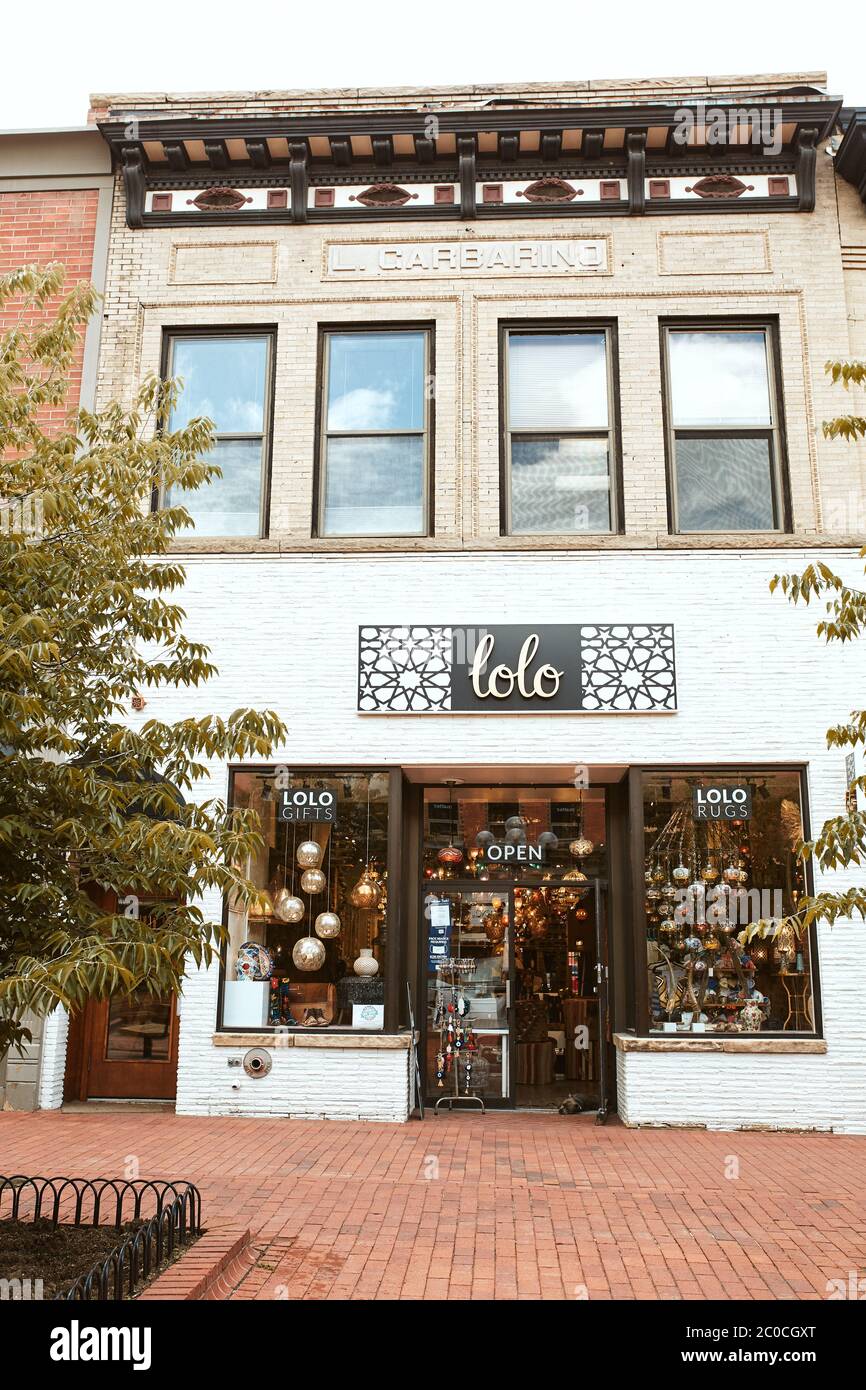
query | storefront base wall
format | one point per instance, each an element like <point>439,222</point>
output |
<point>748,1092</point>
<point>312,1083</point>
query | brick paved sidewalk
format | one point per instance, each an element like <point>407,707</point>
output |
<point>497,1206</point>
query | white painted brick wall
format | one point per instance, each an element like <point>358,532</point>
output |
<point>755,685</point>
<point>304,1083</point>
<point>54,1035</point>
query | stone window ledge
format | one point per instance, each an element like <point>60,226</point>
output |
<point>627,1042</point>
<point>382,1042</point>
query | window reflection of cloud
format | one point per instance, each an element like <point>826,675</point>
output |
<point>362,409</point>
<point>719,378</point>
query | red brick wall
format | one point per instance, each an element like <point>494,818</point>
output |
<point>38,227</point>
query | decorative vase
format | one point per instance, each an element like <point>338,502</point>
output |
<point>366,964</point>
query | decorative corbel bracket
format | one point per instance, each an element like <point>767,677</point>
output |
<point>298,179</point>
<point>635,145</point>
<point>807,156</point>
<point>132,168</point>
<point>466,157</point>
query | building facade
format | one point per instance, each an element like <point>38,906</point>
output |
<point>518,397</point>
<point>56,190</point>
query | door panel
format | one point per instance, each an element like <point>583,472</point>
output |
<point>471,926</point>
<point>124,1047</point>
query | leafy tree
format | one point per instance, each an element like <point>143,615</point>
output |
<point>92,810</point>
<point>842,841</point>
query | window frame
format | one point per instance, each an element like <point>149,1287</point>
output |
<point>545,328</point>
<point>323,434</point>
<point>774,433</point>
<point>268,331</point>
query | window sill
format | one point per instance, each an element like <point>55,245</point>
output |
<point>711,1042</point>
<point>383,1042</point>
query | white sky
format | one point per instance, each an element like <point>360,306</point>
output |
<point>58,52</point>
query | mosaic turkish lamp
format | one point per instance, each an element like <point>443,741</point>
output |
<point>709,873</point>
<point>581,847</point>
<point>450,856</point>
<point>680,874</point>
<point>731,874</point>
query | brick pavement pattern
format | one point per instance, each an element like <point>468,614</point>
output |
<point>498,1206</point>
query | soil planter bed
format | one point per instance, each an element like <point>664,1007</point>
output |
<point>91,1239</point>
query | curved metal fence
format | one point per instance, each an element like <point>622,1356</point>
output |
<point>168,1213</point>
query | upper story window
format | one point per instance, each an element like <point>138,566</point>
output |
<point>723,418</point>
<point>226,377</point>
<point>559,437</point>
<point>374,465</point>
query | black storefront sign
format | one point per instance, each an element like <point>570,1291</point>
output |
<point>722,802</point>
<point>562,668</point>
<point>304,805</point>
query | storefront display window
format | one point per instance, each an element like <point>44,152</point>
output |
<point>721,872</point>
<point>312,954</point>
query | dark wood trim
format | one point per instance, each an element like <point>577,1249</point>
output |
<point>821,114</point>
<point>394,913</point>
<point>673,207</point>
<point>621,957</point>
<point>636,884</point>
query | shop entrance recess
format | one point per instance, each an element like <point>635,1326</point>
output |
<point>516,994</point>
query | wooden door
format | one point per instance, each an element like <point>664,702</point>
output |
<point>124,1047</point>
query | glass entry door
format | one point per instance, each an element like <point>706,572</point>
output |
<point>468,948</point>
